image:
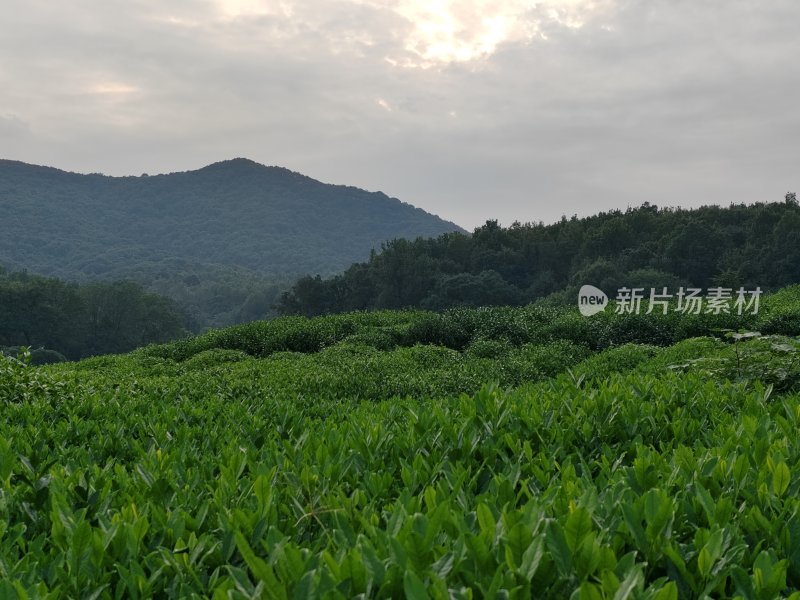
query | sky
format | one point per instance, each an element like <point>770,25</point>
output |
<point>474,110</point>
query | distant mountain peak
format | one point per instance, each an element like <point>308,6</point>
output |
<point>238,162</point>
<point>233,213</point>
<point>239,166</point>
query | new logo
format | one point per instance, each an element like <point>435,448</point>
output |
<point>591,300</point>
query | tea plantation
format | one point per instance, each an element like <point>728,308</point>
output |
<point>481,453</point>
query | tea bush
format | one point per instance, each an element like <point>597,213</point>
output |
<point>636,486</point>
<point>296,459</point>
<point>619,359</point>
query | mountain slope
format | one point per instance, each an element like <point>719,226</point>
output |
<point>237,213</point>
<point>646,247</point>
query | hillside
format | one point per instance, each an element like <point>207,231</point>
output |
<point>233,214</point>
<point>650,247</point>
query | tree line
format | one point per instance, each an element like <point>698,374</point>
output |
<point>647,246</point>
<point>60,320</point>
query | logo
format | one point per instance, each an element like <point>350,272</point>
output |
<point>718,300</point>
<point>591,300</point>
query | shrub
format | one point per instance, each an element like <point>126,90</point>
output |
<point>575,328</point>
<point>380,339</point>
<point>438,330</point>
<point>682,352</point>
<point>19,381</point>
<point>533,362</point>
<point>781,313</point>
<point>620,359</point>
<point>212,358</point>
<point>771,359</point>
<point>488,348</point>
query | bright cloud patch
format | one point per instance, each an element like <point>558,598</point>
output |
<point>245,8</point>
<point>445,31</point>
<point>429,32</point>
<point>112,88</point>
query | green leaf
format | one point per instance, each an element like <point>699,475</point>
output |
<point>704,562</point>
<point>532,557</point>
<point>589,591</point>
<point>375,568</point>
<point>743,583</point>
<point>263,491</point>
<point>444,565</point>
<point>658,511</point>
<point>634,524</point>
<point>632,580</point>
<point>579,524</point>
<point>707,502</point>
<point>518,538</point>
<point>305,587</point>
<point>486,521</point>
<point>781,478</point>
<point>12,592</point>
<point>558,547</point>
<point>261,570</point>
<point>413,587</point>
<point>668,592</point>
<point>82,537</point>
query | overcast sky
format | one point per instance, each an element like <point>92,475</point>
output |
<point>473,110</point>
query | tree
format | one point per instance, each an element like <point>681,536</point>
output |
<point>122,316</point>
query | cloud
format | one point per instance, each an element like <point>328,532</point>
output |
<point>474,110</point>
<point>11,126</point>
<point>446,31</point>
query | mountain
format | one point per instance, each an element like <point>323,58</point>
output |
<point>231,215</point>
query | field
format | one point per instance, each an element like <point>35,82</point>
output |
<point>482,453</point>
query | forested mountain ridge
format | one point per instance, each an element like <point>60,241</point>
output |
<point>740,245</point>
<point>236,213</point>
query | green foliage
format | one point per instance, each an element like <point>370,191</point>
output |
<point>683,352</point>
<point>781,314</point>
<point>465,329</point>
<point>38,356</point>
<point>200,483</point>
<point>488,348</point>
<point>289,459</point>
<point>72,321</point>
<point>539,361</point>
<point>380,338</point>
<point>771,359</point>
<point>214,358</point>
<point>618,359</point>
<point>439,329</point>
<point>223,241</point>
<point>648,247</point>
<point>20,382</point>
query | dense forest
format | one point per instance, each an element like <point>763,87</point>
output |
<point>741,245</point>
<point>60,320</point>
<point>222,241</point>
